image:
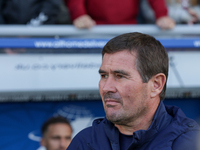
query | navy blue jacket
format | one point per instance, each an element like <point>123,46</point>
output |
<point>170,130</point>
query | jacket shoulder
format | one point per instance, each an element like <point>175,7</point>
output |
<point>181,133</point>
<point>187,140</point>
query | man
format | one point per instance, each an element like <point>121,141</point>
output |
<point>57,133</point>
<point>88,13</point>
<point>133,73</point>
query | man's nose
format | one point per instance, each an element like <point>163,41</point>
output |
<point>63,143</point>
<point>109,85</point>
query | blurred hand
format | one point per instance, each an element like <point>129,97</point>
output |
<point>84,21</point>
<point>194,16</point>
<point>165,23</point>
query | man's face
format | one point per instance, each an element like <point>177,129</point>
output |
<point>125,97</point>
<point>57,137</point>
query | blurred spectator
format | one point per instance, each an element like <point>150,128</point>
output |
<point>34,12</point>
<point>182,11</point>
<point>63,15</point>
<point>56,133</point>
<point>87,13</point>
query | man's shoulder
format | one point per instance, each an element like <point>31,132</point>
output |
<point>181,133</point>
<point>177,135</point>
<point>180,121</point>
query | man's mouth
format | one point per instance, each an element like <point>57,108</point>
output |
<point>111,102</point>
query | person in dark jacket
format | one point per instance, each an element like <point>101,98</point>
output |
<point>134,72</point>
<point>34,12</point>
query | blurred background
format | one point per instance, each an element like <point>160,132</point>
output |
<point>50,67</point>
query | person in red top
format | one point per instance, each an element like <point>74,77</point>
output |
<point>87,13</point>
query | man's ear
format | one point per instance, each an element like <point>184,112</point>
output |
<point>42,142</point>
<point>158,82</point>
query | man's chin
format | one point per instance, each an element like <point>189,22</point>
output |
<point>111,117</point>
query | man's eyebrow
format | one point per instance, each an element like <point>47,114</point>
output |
<point>115,71</point>
<point>121,72</point>
<point>101,71</point>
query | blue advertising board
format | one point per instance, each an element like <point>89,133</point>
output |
<point>87,43</point>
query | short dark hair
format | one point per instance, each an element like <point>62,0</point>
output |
<point>54,120</point>
<point>151,56</point>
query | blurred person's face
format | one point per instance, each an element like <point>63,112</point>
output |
<point>125,97</point>
<point>57,137</point>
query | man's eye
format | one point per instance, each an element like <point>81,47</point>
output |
<point>56,138</point>
<point>119,76</point>
<point>104,76</point>
<point>68,138</point>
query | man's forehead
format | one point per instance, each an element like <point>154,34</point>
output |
<point>118,60</point>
